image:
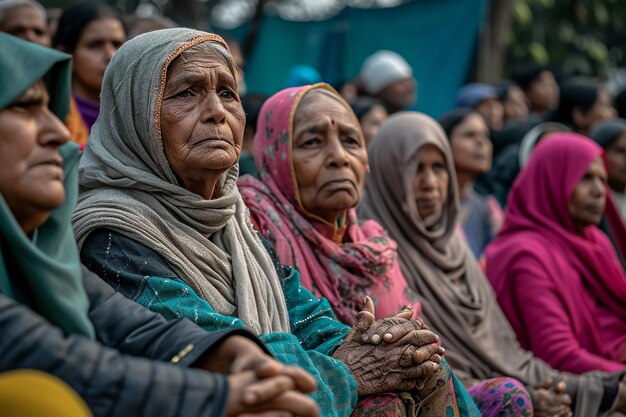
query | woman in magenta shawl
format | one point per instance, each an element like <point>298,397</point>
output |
<point>556,275</point>
<point>341,260</point>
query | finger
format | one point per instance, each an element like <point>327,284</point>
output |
<point>565,400</point>
<point>406,313</point>
<point>369,305</point>
<point>422,371</point>
<point>560,387</point>
<point>262,365</point>
<point>304,381</point>
<point>267,389</point>
<point>292,402</point>
<point>435,358</point>
<point>424,353</point>
<point>419,338</point>
<point>398,331</point>
<point>564,412</point>
<point>365,317</point>
<point>547,384</point>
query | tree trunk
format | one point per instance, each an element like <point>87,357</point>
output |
<point>493,40</point>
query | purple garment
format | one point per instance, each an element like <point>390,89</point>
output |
<point>88,109</point>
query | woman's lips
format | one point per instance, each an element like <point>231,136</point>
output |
<point>342,184</point>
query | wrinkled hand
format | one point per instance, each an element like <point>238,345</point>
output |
<point>550,400</point>
<point>400,329</point>
<point>248,395</point>
<point>383,367</point>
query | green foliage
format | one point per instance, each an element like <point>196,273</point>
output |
<point>581,37</point>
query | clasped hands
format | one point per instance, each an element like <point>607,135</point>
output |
<point>259,385</point>
<point>396,353</point>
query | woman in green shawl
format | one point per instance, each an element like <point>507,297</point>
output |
<point>52,311</point>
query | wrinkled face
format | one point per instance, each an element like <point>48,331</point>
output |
<point>31,167</point>
<point>26,22</point>
<point>471,146</point>
<point>430,184</point>
<point>328,155</point>
<point>202,120</point>
<point>371,121</point>
<point>544,92</point>
<point>399,95</point>
<point>588,199</point>
<point>492,111</point>
<point>616,157</point>
<point>97,44</point>
<point>515,106</point>
<point>601,110</point>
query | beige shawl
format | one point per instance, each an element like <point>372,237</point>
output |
<point>127,186</point>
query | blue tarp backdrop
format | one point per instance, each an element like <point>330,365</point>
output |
<point>438,39</point>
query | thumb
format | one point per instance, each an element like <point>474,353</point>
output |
<point>405,313</point>
<point>366,316</point>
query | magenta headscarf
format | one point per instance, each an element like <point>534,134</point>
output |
<point>341,264</point>
<point>539,239</point>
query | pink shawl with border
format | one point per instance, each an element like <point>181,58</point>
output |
<point>342,264</point>
<point>563,292</point>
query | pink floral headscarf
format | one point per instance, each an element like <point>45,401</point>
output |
<point>341,263</point>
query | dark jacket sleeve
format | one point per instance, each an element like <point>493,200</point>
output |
<point>114,384</point>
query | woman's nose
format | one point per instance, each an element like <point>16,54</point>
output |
<point>51,130</point>
<point>336,154</point>
<point>214,109</point>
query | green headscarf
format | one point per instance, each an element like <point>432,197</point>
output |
<point>43,272</point>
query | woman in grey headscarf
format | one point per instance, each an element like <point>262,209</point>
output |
<point>412,192</point>
<point>160,218</point>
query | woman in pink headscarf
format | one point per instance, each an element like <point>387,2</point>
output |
<point>556,275</point>
<point>304,203</point>
<point>311,156</point>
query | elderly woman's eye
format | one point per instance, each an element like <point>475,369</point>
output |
<point>311,142</point>
<point>352,141</point>
<point>184,94</point>
<point>227,94</point>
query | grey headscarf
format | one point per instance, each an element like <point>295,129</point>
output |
<point>457,300</point>
<point>128,186</point>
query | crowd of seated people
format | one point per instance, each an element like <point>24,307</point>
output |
<point>376,262</point>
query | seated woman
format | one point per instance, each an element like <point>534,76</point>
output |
<point>91,32</point>
<point>305,205</point>
<point>161,219</point>
<point>412,192</point>
<point>59,318</point>
<point>611,135</point>
<point>556,275</point>
<point>480,217</point>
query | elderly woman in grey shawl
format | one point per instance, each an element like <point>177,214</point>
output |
<point>160,218</point>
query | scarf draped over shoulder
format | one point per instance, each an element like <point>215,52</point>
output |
<point>128,186</point>
<point>42,271</point>
<point>457,300</point>
<point>340,263</point>
<point>538,225</point>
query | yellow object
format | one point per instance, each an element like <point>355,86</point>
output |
<point>28,393</point>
